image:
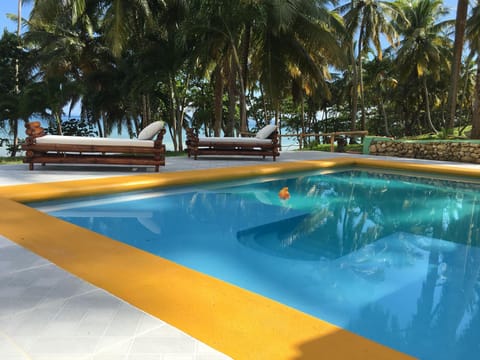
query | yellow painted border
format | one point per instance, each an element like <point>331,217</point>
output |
<point>78,188</point>
<point>237,322</point>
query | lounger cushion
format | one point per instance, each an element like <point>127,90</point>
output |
<point>212,141</point>
<point>265,132</point>
<point>151,130</point>
<point>79,140</point>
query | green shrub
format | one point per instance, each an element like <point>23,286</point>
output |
<point>74,127</point>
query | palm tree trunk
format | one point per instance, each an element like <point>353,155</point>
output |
<point>362,97</point>
<point>244,71</point>
<point>243,99</point>
<point>231,99</point>
<point>245,52</point>
<point>460,24</point>
<point>15,138</point>
<point>277,113</point>
<point>14,124</point>
<point>427,105</point>
<point>99,127</point>
<point>148,110</point>
<point>181,106</point>
<point>354,91</point>
<point>17,64</point>
<point>144,111</point>
<point>302,139</point>
<point>476,106</point>
<point>173,120</point>
<point>360,79</point>
<point>180,113</point>
<point>218,103</point>
<point>59,121</point>
<point>264,103</point>
<point>384,116</point>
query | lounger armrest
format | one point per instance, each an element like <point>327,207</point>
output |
<point>192,135</point>
<point>158,142</point>
<point>274,136</point>
<point>33,130</point>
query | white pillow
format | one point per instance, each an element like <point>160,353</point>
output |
<point>151,130</point>
<point>265,132</point>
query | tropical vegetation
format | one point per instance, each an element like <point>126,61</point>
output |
<point>229,66</point>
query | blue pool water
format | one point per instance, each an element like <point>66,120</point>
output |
<point>393,258</point>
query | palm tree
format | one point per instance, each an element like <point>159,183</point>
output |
<point>460,25</point>
<point>14,121</point>
<point>424,49</point>
<point>370,19</point>
<point>14,76</point>
<point>296,44</point>
<point>473,35</point>
<point>124,18</point>
<point>65,54</point>
<point>220,28</point>
<point>71,36</point>
<point>267,44</point>
<point>381,82</point>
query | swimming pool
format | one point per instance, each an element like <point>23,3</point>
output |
<point>389,257</point>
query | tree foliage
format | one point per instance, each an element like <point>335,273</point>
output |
<point>231,66</point>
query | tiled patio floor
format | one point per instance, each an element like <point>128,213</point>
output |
<point>48,314</point>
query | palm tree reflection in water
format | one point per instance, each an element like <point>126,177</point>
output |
<point>353,213</point>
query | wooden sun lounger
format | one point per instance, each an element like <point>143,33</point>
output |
<point>250,146</point>
<point>42,148</point>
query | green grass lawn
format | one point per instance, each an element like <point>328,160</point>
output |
<point>326,147</point>
<point>442,135</point>
<point>10,160</point>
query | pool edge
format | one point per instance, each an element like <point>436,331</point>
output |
<point>77,188</point>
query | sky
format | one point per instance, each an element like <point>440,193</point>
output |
<point>11,7</point>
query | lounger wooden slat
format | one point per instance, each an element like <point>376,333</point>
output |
<point>93,149</point>
<point>94,159</point>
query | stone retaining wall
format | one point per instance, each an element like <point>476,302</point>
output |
<point>446,151</point>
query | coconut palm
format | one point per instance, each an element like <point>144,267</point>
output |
<point>124,18</point>
<point>424,49</point>
<point>14,76</point>
<point>381,82</point>
<point>369,19</point>
<point>473,35</point>
<point>296,45</point>
<point>460,25</point>
<point>222,30</point>
<point>13,120</point>
<point>68,49</point>
<point>268,44</point>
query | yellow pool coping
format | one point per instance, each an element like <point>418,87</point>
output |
<point>232,320</point>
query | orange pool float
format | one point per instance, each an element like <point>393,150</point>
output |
<point>284,194</point>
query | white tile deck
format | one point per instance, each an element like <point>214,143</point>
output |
<point>48,314</point>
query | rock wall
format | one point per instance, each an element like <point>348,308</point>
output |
<point>461,151</point>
